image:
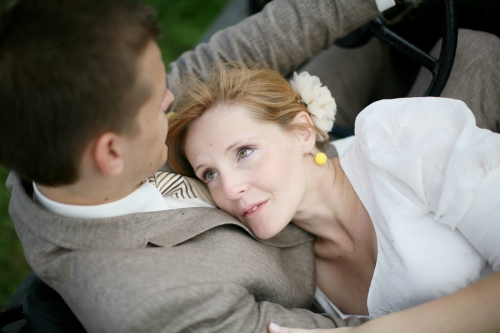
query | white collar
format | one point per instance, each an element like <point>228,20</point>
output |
<point>146,198</point>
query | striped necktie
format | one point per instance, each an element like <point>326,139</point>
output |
<point>180,187</point>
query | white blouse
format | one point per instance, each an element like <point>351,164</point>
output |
<point>430,181</point>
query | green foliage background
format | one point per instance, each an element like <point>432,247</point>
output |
<point>183,23</point>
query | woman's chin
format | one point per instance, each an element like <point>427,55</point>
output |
<point>264,234</point>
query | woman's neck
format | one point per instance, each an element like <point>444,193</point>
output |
<point>333,211</point>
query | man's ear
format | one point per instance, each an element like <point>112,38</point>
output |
<point>305,130</point>
<point>108,154</point>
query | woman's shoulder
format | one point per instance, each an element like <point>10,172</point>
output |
<point>429,106</point>
<point>408,129</point>
<point>429,145</point>
<point>411,116</point>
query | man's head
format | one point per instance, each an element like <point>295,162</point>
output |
<point>69,72</point>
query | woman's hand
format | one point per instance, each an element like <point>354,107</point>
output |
<point>275,328</point>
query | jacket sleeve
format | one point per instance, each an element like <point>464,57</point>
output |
<point>203,285</point>
<point>126,293</point>
<point>281,37</point>
<point>239,313</point>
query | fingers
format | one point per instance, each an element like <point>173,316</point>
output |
<point>275,328</point>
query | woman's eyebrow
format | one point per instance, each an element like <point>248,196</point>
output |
<point>198,167</point>
<point>231,146</point>
<point>228,148</point>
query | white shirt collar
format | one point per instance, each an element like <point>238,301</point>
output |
<point>144,199</point>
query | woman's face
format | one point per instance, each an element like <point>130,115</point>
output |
<point>255,170</point>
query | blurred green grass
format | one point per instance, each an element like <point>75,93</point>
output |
<point>13,267</point>
<point>183,24</point>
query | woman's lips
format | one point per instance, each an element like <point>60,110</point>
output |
<point>255,209</point>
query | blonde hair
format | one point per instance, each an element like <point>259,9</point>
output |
<point>265,93</point>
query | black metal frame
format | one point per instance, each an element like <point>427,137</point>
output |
<point>441,67</point>
<point>11,315</point>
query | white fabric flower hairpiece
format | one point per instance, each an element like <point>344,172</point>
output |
<point>318,100</point>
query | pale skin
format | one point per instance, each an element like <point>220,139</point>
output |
<point>320,199</point>
<point>113,165</point>
<point>259,173</point>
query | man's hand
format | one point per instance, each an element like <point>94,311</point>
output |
<point>275,328</point>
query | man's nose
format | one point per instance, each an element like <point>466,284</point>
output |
<point>167,100</point>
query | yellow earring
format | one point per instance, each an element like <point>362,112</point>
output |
<point>170,116</point>
<point>319,158</point>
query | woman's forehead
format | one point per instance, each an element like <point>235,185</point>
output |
<point>226,117</point>
<point>219,128</point>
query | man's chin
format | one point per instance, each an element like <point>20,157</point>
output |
<point>163,160</point>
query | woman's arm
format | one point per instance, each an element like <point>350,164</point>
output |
<point>472,309</point>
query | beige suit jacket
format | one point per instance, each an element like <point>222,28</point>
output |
<point>180,270</point>
<point>196,269</point>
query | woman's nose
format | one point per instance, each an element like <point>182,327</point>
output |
<point>234,187</point>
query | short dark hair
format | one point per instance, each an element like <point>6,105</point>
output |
<point>68,73</point>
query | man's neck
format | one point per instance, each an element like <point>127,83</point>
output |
<point>86,193</point>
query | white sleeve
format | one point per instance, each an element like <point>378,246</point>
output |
<point>384,4</point>
<point>481,223</point>
<point>341,145</point>
<point>434,147</point>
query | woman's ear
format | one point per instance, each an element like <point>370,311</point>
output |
<point>108,155</point>
<point>305,130</point>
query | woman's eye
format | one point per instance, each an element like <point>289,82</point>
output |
<point>209,176</point>
<point>244,152</point>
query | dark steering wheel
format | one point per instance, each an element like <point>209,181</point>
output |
<point>440,68</point>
